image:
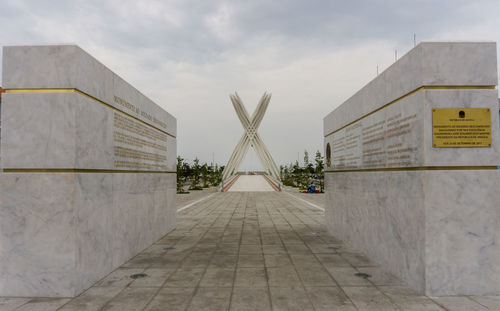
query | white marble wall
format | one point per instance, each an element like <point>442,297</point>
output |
<point>462,232</point>
<point>80,134</point>
<point>68,214</point>
<point>382,214</point>
<point>62,232</point>
<point>438,229</point>
<point>406,127</point>
<point>39,67</point>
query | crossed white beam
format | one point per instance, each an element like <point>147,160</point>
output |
<point>250,138</point>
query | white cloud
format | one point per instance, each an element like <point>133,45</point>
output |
<point>188,55</point>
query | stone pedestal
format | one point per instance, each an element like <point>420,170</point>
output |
<point>87,174</point>
<point>428,214</point>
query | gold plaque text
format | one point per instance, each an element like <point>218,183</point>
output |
<point>461,127</point>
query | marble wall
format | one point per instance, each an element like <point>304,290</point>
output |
<point>429,215</point>
<point>87,174</point>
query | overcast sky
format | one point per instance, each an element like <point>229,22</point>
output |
<point>188,56</point>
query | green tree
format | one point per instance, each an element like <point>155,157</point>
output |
<point>204,175</point>
<point>297,174</point>
<point>319,169</point>
<point>187,171</point>
<point>219,174</point>
<point>195,180</point>
<point>180,174</point>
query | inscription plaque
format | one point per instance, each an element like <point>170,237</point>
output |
<point>461,127</point>
<point>386,139</point>
<point>138,145</point>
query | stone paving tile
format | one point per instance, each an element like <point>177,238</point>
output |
<point>290,299</point>
<point>223,261</point>
<point>185,277</point>
<point>120,277</point>
<point>172,299</point>
<point>251,260</point>
<point>314,276</point>
<point>211,299</point>
<point>250,240</point>
<point>304,259</point>
<point>283,276</point>
<point>329,298</point>
<point>358,260</point>
<point>491,302</point>
<point>92,300</point>
<point>250,299</point>
<point>273,249</point>
<point>218,277</point>
<point>345,276</point>
<point>228,248</point>
<point>277,260</point>
<point>248,277</point>
<point>298,248</point>
<point>43,304</point>
<point>155,277</point>
<point>9,304</point>
<point>332,260</point>
<point>460,304</point>
<point>197,260</point>
<point>321,248</point>
<point>379,277</point>
<point>250,249</point>
<point>369,299</point>
<point>131,299</point>
<point>408,300</point>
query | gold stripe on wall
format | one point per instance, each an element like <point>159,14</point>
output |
<point>62,90</point>
<point>71,170</point>
<point>39,90</point>
<point>419,168</point>
<point>430,87</point>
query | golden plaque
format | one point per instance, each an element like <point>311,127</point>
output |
<point>461,127</point>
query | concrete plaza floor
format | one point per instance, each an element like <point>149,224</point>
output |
<point>251,251</point>
<point>250,183</point>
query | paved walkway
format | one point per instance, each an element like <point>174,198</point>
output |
<point>251,183</point>
<point>250,251</point>
<point>193,195</point>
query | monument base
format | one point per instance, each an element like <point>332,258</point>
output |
<point>62,232</point>
<point>434,229</point>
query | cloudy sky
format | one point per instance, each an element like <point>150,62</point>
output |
<point>189,55</point>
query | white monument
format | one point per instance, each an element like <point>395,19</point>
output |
<point>412,173</point>
<point>87,171</point>
<point>250,138</point>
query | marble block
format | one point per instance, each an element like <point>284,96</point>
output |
<point>87,171</point>
<point>427,214</point>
